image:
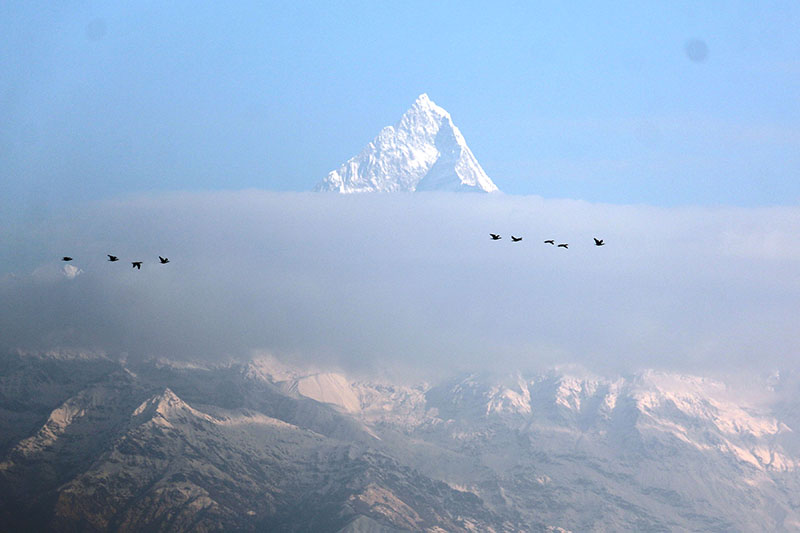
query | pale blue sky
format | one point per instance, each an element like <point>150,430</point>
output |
<point>598,101</point>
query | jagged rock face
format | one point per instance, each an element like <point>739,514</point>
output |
<point>129,454</point>
<point>257,447</point>
<point>424,151</point>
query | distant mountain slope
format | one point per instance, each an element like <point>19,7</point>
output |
<point>124,454</point>
<point>424,151</point>
<point>262,446</point>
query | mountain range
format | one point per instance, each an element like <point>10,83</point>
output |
<point>91,443</point>
<point>424,151</point>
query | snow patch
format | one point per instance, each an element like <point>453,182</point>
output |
<point>327,388</point>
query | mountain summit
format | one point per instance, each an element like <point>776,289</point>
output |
<point>424,151</point>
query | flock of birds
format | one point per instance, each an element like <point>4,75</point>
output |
<point>134,264</point>
<point>496,237</point>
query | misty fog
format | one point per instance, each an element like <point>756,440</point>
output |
<point>411,283</point>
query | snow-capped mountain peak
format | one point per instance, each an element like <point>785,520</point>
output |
<point>423,151</point>
<point>423,103</point>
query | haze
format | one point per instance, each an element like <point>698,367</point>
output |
<point>413,282</point>
<point>650,117</point>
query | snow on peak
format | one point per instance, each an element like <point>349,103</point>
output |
<point>164,408</point>
<point>423,151</point>
<point>72,272</point>
<point>424,104</point>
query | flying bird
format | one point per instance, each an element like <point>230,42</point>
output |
<point>495,236</point>
<point>136,264</point>
<point>516,239</point>
<point>112,258</point>
<point>550,241</point>
<point>164,260</point>
<point>66,258</point>
<point>564,245</point>
<point>598,242</point>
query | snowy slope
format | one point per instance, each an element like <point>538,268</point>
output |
<point>128,453</point>
<point>266,446</point>
<point>424,151</point>
<point>327,387</point>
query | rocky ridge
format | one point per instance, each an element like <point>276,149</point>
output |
<point>251,446</point>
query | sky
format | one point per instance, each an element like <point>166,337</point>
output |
<point>661,103</point>
<point>193,131</point>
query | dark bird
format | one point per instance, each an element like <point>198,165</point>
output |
<point>112,258</point>
<point>136,264</point>
<point>164,260</point>
<point>565,245</point>
<point>550,241</point>
<point>516,239</point>
<point>66,258</point>
<point>598,242</point>
<point>495,236</point>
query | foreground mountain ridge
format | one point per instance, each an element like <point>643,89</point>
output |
<point>100,445</point>
<point>423,151</point>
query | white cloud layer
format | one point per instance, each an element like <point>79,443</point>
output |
<point>414,282</point>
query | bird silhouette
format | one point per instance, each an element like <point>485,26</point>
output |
<point>564,245</point>
<point>495,236</point>
<point>66,258</point>
<point>598,242</point>
<point>136,264</point>
<point>112,258</point>
<point>550,241</point>
<point>164,260</point>
<point>516,239</point>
